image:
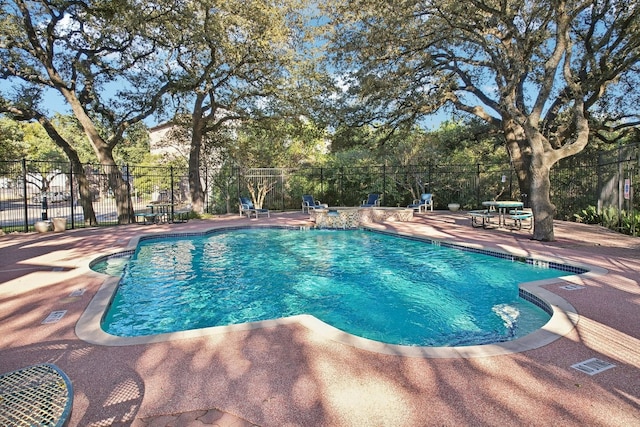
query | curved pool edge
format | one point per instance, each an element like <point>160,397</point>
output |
<point>564,318</point>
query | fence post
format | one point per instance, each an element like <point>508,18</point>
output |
<point>384,179</point>
<point>171,183</point>
<point>24,195</point>
<point>207,208</point>
<point>172,192</point>
<point>341,184</point>
<point>129,201</point>
<point>599,183</point>
<point>478,184</point>
<point>238,182</point>
<point>71,195</point>
<point>282,187</point>
<point>620,186</point>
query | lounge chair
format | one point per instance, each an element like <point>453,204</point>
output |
<point>246,207</point>
<point>308,202</point>
<point>372,201</point>
<point>426,200</point>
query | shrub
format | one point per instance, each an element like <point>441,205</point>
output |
<point>589,215</point>
<point>612,218</point>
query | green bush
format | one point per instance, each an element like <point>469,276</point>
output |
<point>612,218</point>
<point>589,215</point>
<point>629,223</point>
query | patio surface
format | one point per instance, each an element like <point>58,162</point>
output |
<point>287,375</point>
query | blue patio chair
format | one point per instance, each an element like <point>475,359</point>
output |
<point>308,202</point>
<point>425,201</point>
<point>373,200</point>
<point>246,207</point>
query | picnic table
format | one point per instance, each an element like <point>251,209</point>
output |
<point>502,209</point>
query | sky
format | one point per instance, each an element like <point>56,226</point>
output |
<point>53,102</point>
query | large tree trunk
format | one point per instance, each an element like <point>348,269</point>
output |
<point>543,210</point>
<point>195,184</point>
<point>86,198</point>
<point>520,155</point>
<point>83,183</point>
<point>121,191</point>
<point>117,183</point>
<point>532,168</point>
<point>104,152</point>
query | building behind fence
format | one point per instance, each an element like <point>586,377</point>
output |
<point>605,182</point>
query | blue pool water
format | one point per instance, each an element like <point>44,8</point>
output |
<point>378,286</point>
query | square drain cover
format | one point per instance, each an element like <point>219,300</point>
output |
<point>77,293</point>
<point>54,316</point>
<point>593,366</point>
<point>571,287</point>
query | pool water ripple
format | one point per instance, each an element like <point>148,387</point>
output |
<point>377,286</point>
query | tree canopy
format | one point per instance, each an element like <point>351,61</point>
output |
<point>99,56</point>
<point>11,140</point>
<point>233,63</point>
<point>543,73</point>
<point>546,76</point>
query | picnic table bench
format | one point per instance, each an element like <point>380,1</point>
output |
<point>163,215</point>
<point>146,217</point>
<point>481,215</point>
<point>518,216</point>
<point>181,215</point>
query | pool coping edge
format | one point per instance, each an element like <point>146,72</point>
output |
<point>563,319</point>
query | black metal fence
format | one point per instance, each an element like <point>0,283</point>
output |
<point>398,185</point>
<point>577,183</point>
<point>32,191</point>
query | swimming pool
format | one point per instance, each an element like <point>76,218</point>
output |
<point>381,287</point>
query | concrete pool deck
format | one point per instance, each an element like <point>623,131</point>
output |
<point>286,375</point>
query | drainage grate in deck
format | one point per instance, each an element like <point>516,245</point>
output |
<point>77,293</point>
<point>39,395</point>
<point>54,317</point>
<point>571,287</point>
<point>593,366</point>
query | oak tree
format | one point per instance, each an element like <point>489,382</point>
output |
<point>100,56</point>
<point>542,72</point>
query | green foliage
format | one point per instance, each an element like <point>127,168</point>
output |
<point>619,220</point>
<point>69,128</point>
<point>25,139</point>
<point>154,174</point>
<point>39,144</point>
<point>348,137</point>
<point>223,195</point>
<point>276,143</point>
<point>630,223</point>
<point>11,140</point>
<point>470,141</point>
<point>135,145</point>
<point>589,215</point>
